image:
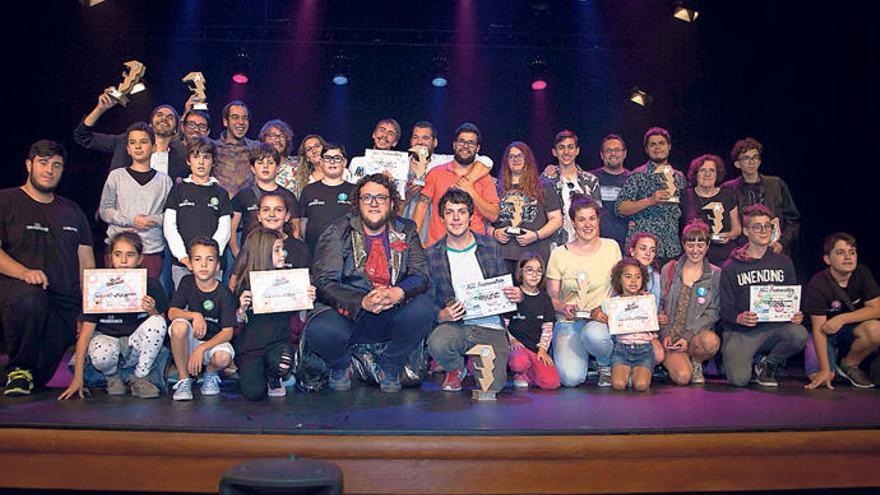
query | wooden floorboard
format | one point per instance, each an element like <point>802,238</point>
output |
<point>194,462</point>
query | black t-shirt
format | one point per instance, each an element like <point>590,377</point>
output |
<point>124,324</point>
<point>263,330</point>
<point>142,178</point>
<point>613,225</point>
<point>322,204</point>
<point>715,211</point>
<point>247,202</point>
<point>530,315</point>
<point>44,237</point>
<point>218,306</point>
<point>532,214</point>
<point>826,297</point>
<point>199,209</point>
<point>296,253</point>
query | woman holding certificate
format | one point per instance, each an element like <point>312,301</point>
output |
<point>578,282</point>
<point>692,301</point>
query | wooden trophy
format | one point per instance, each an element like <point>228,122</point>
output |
<point>197,89</point>
<point>668,176</point>
<point>484,357</point>
<point>717,218</point>
<point>575,290</point>
<point>418,164</point>
<point>136,71</point>
<point>518,203</point>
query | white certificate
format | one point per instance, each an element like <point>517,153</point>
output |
<point>485,297</point>
<point>631,314</point>
<point>395,163</point>
<point>774,302</point>
<point>114,291</point>
<point>275,291</point>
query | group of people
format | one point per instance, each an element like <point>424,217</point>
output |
<point>200,215</point>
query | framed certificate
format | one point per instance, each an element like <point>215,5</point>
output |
<point>114,291</point>
<point>485,297</point>
<point>631,314</point>
<point>275,291</point>
<point>774,302</point>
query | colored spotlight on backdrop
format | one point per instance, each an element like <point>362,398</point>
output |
<point>686,11</point>
<point>240,67</point>
<point>341,69</point>
<point>640,98</point>
<point>440,72</point>
<point>538,70</point>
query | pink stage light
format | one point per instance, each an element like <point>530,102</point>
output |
<point>240,78</point>
<point>539,85</point>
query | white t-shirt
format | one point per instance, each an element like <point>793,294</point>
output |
<point>159,161</point>
<point>465,268</point>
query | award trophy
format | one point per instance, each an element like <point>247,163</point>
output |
<point>136,71</point>
<point>419,164</point>
<point>777,230</point>
<point>576,289</point>
<point>717,218</point>
<point>518,204</point>
<point>668,175</point>
<point>484,366</point>
<point>197,89</point>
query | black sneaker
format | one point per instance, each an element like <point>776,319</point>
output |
<point>765,373</point>
<point>855,375</point>
<point>19,383</point>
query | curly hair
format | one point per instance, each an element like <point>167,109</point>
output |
<point>745,145</point>
<point>284,128</point>
<point>382,180</point>
<point>617,271</point>
<point>698,162</point>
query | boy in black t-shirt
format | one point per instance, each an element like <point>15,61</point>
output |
<point>264,161</point>
<point>198,206</point>
<point>843,302</point>
<point>202,314</point>
<point>325,201</point>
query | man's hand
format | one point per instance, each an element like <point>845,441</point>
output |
<point>452,312</point>
<point>747,319</point>
<point>569,311</point>
<point>466,185</point>
<point>831,326</point>
<point>374,301</point>
<point>551,171</point>
<point>185,262</point>
<point>143,222</point>
<point>36,277</point>
<point>105,101</point>
<point>194,365</point>
<point>660,196</point>
<point>412,189</point>
<point>798,318</point>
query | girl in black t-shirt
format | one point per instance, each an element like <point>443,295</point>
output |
<point>530,329</point>
<point>264,344</point>
<point>101,334</point>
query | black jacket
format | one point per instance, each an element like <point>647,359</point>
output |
<point>340,255</point>
<point>778,199</point>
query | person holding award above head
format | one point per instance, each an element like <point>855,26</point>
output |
<point>578,281</point>
<point>372,277</point>
<point>651,195</point>
<point>759,305</point>
<point>530,210</point>
<point>715,206</point>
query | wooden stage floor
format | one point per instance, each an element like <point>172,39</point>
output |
<point>584,440</point>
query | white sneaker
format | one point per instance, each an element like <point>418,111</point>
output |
<point>275,388</point>
<point>183,390</point>
<point>604,376</point>
<point>210,384</point>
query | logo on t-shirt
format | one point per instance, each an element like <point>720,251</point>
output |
<point>208,305</point>
<point>185,202</point>
<point>316,202</point>
<point>69,228</point>
<point>37,226</point>
<point>214,202</point>
<point>342,198</point>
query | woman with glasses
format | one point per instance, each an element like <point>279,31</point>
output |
<point>530,209</point>
<point>715,206</point>
<point>326,200</point>
<point>692,301</point>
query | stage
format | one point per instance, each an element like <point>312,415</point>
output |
<point>710,438</point>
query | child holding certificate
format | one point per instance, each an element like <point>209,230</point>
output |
<point>633,354</point>
<point>102,335</point>
<point>530,329</point>
<point>264,345</point>
<point>202,318</point>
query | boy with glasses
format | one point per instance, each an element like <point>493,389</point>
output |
<point>328,199</point>
<point>743,336</point>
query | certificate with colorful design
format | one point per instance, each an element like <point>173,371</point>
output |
<point>395,163</point>
<point>631,314</point>
<point>485,297</point>
<point>114,291</point>
<point>275,291</point>
<point>774,302</point>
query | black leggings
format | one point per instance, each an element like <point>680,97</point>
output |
<point>256,368</point>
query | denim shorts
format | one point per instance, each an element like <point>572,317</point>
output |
<point>843,340</point>
<point>633,355</point>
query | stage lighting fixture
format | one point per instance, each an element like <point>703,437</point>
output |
<point>440,71</point>
<point>640,98</point>
<point>685,11</point>
<point>240,67</point>
<point>341,69</point>
<point>538,70</point>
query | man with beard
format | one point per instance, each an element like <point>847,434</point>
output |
<point>612,175</point>
<point>456,173</point>
<point>232,166</point>
<point>193,124</point>
<point>45,243</point>
<point>371,277</point>
<point>169,153</point>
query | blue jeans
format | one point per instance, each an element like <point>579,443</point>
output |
<point>633,355</point>
<point>573,342</point>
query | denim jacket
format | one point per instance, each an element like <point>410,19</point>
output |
<point>705,303</point>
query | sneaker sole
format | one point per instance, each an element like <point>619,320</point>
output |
<point>16,392</point>
<point>841,374</point>
<point>451,389</point>
<point>209,393</point>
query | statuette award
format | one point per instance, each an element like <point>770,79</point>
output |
<point>197,89</point>
<point>130,81</point>
<point>484,366</point>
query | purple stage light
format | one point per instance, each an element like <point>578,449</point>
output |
<point>240,78</point>
<point>539,85</point>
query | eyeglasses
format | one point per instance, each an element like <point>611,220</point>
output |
<point>516,158</point>
<point>192,126</point>
<point>614,150</point>
<point>533,271</point>
<point>333,158</point>
<point>463,143</point>
<point>380,199</point>
<point>275,136</point>
<point>761,227</point>
<point>750,159</point>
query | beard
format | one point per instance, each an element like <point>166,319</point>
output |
<point>39,187</point>
<point>381,222</point>
<point>464,161</point>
